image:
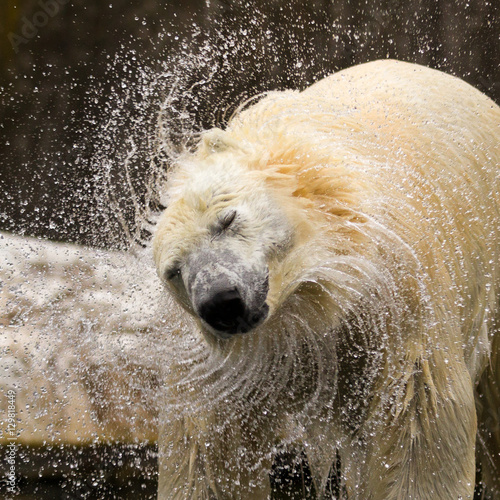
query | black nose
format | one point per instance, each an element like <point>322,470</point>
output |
<point>225,311</point>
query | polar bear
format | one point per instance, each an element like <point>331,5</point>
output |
<point>339,252</point>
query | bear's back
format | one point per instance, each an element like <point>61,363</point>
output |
<point>425,147</point>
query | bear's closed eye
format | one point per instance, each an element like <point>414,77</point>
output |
<point>226,220</point>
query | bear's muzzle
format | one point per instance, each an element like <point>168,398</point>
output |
<point>227,294</point>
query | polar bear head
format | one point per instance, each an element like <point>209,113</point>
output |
<point>223,239</point>
<point>243,231</point>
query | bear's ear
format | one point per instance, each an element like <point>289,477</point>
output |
<point>215,141</point>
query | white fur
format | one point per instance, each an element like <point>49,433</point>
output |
<point>373,199</point>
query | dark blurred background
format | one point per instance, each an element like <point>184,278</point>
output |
<point>82,82</point>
